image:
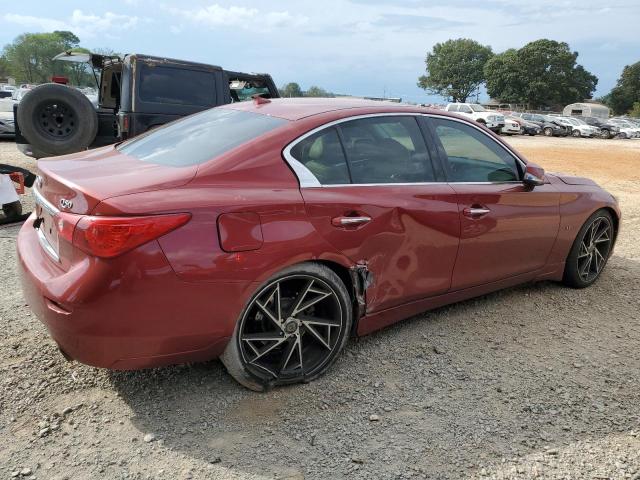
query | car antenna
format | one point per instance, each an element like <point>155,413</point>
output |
<point>259,99</point>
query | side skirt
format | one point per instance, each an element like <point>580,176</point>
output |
<point>377,320</point>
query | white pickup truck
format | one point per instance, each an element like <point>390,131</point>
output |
<point>493,120</point>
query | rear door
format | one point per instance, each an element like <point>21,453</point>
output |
<point>507,229</point>
<point>371,191</point>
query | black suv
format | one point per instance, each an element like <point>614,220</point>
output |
<point>607,130</point>
<point>136,93</point>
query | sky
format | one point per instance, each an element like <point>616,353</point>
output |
<point>357,47</point>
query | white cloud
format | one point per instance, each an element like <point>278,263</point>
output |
<point>240,17</point>
<point>82,24</point>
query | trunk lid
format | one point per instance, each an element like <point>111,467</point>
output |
<point>71,186</point>
<point>86,178</point>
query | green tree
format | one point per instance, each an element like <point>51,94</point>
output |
<point>455,68</point>
<point>627,90</point>
<point>315,91</point>
<point>291,89</point>
<point>542,73</point>
<point>4,67</point>
<point>635,110</point>
<point>30,56</point>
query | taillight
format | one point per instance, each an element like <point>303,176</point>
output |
<point>112,236</point>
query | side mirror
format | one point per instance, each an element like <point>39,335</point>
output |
<point>533,175</point>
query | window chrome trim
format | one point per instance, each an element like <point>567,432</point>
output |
<point>308,180</point>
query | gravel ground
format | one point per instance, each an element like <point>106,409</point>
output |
<point>537,381</point>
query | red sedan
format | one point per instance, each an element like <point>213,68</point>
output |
<point>268,232</point>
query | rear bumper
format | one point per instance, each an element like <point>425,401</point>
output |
<point>129,314</point>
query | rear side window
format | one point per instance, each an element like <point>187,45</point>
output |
<point>322,154</point>
<point>472,156</point>
<point>160,84</point>
<point>200,137</point>
<point>386,149</point>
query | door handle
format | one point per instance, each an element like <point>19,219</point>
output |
<point>350,221</point>
<point>475,212</point>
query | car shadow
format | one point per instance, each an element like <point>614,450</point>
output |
<point>487,384</point>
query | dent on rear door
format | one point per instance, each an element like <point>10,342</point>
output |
<point>410,244</point>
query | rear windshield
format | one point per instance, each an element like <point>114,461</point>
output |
<point>200,137</point>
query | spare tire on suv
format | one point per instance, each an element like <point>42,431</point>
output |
<point>56,119</point>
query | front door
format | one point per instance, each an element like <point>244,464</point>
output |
<point>377,201</point>
<point>507,228</point>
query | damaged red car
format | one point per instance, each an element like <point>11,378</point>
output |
<point>269,232</point>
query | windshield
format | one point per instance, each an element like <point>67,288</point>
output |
<point>477,108</point>
<point>199,138</point>
<point>573,121</point>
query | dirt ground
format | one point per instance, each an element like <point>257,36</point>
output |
<point>538,381</point>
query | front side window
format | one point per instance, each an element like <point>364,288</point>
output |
<point>322,154</point>
<point>200,137</point>
<point>386,149</point>
<point>472,156</point>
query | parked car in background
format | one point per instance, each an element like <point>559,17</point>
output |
<point>607,129</point>
<point>627,128</point>
<point>19,93</point>
<point>137,93</point>
<point>526,127</point>
<point>492,120</point>
<point>550,128</point>
<point>6,90</point>
<point>511,127</point>
<point>7,129</point>
<point>223,211</point>
<point>579,128</point>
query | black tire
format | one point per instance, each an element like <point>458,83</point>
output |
<point>606,134</point>
<point>482,121</point>
<point>575,273</point>
<point>575,133</point>
<point>12,210</point>
<point>257,373</point>
<point>57,120</point>
<point>548,132</point>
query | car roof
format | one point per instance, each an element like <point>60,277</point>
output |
<point>298,108</point>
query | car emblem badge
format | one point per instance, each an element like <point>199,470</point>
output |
<point>66,204</point>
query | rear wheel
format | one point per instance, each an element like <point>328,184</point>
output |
<point>548,132</point>
<point>590,251</point>
<point>292,329</point>
<point>575,133</point>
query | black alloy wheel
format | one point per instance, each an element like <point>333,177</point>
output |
<point>590,251</point>
<point>291,330</point>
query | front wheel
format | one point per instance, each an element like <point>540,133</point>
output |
<point>576,133</point>
<point>606,134</point>
<point>292,329</point>
<point>548,132</point>
<point>590,251</point>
